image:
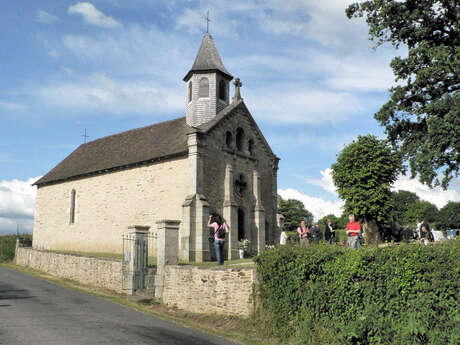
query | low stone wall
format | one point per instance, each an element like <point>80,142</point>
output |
<point>210,290</point>
<point>227,291</point>
<point>98,272</point>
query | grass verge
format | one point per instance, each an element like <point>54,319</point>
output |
<point>237,329</point>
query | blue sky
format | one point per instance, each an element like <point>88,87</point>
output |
<point>310,78</point>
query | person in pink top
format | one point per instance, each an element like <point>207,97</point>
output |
<point>220,228</point>
<point>303,232</point>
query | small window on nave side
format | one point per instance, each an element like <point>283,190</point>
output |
<point>72,206</point>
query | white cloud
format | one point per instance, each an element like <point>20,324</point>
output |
<point>365,73</point>
<point>222,14</point>
<point>101,93</point>
<point>320,21</point>
<point>318,206</point>
<point>192,20</point>
<point>53,53</point>
<point>92,15</point>
<point>12,106</point>
<point>305,105</point>
<point>135,50</point>
<point>437,196</point>
<point>307,85</point>
<point>17,202</point>
<point>325,181</point>
<point>45,17</point>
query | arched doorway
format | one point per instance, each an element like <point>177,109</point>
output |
<point>241,222</point>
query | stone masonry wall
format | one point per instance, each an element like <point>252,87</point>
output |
<point>103,273</point>
<point>217,155</point>
<point>210,290</point>
<point>200,290</point>
<point>107,204</point>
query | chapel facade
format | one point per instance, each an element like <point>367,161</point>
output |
<point>215,159</point>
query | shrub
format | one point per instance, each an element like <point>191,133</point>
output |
<point>7,246</point>
<point>400,295</point>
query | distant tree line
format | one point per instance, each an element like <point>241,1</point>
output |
<point>407,208</point>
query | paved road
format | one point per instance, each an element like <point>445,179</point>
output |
<point>34,311</point>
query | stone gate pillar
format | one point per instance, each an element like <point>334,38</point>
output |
<point>230,214</point>
<point>138,252</point>
<point>259,213</point>
<point>167,252</point>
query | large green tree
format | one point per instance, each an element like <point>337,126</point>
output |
<point>294,212</point>
<point>449,216</point>
<point>422,116</point>
<point>402,200</point>
<point>421,210</point>
<point>363,175</point>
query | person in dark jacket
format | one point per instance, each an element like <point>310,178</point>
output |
<point>329,232</point>
<point>315,233</point>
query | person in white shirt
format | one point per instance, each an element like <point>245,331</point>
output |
<point>418,228</point>
<point>283,238</point>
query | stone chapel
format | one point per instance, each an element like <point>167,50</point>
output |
<point>215,159</point>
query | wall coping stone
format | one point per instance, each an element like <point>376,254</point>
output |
<point>70,254</point>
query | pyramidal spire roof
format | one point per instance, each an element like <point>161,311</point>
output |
<point>208,59</point>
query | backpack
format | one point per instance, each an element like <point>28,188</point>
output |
<point>221,232</point>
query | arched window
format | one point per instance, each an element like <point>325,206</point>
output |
<point>240,184</point>
<point>251,146</point>
<point>190,90</point>
<point>239,139</point>
<point>204,87</point>
<point>222,91</point>
<point>229,140</point>
<point>72,206</point>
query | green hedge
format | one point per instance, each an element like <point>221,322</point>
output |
<point>8,245</point>
<point>407,294</point>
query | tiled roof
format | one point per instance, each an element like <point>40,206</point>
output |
<point>208,58</point>
<point>141,145</point>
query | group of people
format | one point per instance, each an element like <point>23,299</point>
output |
<point>312,235</point>
<point>307,235</point>
<point>422,232</point>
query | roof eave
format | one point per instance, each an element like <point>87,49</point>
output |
<point>202,71</point>
<point>108,170</point>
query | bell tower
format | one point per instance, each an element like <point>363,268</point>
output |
<point>207,85</point>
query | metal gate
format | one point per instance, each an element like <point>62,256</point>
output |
<point>137,258</point>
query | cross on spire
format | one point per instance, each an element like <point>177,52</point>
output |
<point>85,136</point>
<point>238,84</point>
<point>208,20</point>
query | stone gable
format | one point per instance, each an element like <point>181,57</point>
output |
<point>217,154</point>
